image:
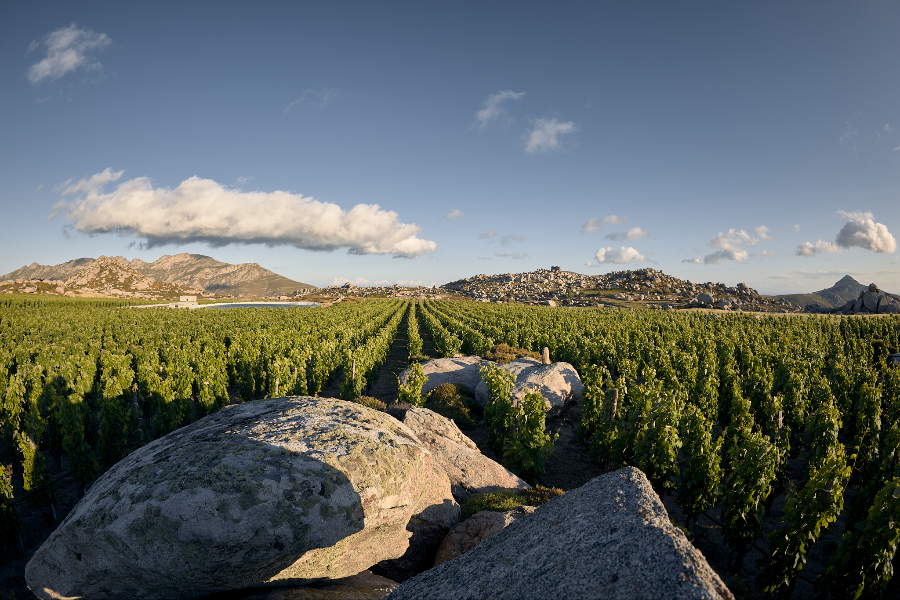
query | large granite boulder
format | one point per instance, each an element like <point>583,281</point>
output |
<point>476,529</point>
<point>459,369</point>
<point>470,471</point>
<point>282,491</point>
<point>610,538</point>
<point>557,382</point>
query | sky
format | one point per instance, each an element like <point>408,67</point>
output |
<point>424,142</point>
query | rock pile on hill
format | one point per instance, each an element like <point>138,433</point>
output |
<point>872,301</point>
<point>646,287</point>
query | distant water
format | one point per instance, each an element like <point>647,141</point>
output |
<point>258,305</point>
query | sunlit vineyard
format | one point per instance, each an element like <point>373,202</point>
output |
<point>711,407</point>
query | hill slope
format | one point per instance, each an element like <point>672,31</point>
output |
<point>194,271</point>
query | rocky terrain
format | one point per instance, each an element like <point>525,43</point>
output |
<point>293,492</point>
<point>870,300</point>
<point>170,276</point>
<point>648,288</point>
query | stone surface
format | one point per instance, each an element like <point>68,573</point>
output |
<point>610,538</point>
<point>888,308</point>
<point>363,586</point>
<point>705,298</point>
<point>557,382</point>
<point>870,301</point>
<point>271,492</point>
<point>469,471</point>
<point>476,529</point>
<point>459,369</point>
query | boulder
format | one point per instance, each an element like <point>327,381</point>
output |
<point>610,538</point>
<point>557,382</point>
<point>870,301</point>
<point>888,308</point>
<point>476,529</point>
<point>705,298</point>
<point>469,471</point>
<point>459,369</point>
<point>281,491</point>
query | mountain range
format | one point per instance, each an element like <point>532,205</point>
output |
<point>185,272</point>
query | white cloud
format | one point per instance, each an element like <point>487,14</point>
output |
<point>202,210</point>
<point>545,135</point>
<point>512,255</point>
<point>595,225</point>
<point>729,247</point>
<point>320,98</point>
<point>67,50</point>
<point>763,232</point>
<point>766,253</point>
<point>697,260</point>
<point>820,247</point>
<point>620,257</point>
<point>488,234</point>
<point>339,281</point>
<point>796,228</point>
<point>888,127</point>
<point>454,214</point>
<point>635,233</point>
<point>861,231</point>
<point>493,106</point>
<point>512,238</point>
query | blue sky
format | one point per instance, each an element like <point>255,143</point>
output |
<point>424,142</point>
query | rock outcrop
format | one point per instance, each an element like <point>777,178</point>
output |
<point>871,301</point>
<point>459,369</point>
<point>474,530</point>
<point>272,492</point>
<point>557,382</point>
<point>469,471</point>
<point>610,538</point>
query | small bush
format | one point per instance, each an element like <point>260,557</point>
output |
<point>454,401</point>
<point>504,500</point>
<point>503,353</point>
<point>371,402</point>
<point>418,358</point>
<point>412,391</point>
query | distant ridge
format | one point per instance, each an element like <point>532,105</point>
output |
<point>845,289</point>
<point>194,271</point>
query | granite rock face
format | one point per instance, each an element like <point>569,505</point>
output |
<point>474,530</point>
<point>610,538</point>
<point>557,382</point>
<point>459,369</point>
<point>272,492</point>
<point>470,471</point>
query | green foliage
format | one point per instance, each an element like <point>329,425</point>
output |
<point>498,412</point>
<point>657,442</point>
<point>9,520</point>
<point>453,401</point>
<point>370,402</point>
<point>528,445</point>
<point>747,485</point>
<point>503,353</point>
<point>504,500</point>
<point>700,477</point>
<point>414,340</point>
<point>814,507</point>
<point>411,392</point>
<point>863,562</point>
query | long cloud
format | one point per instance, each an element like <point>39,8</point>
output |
<point>732,246</point>
<point>544,137</point>
<point>202,210</point>
<point>493,106</point>
<point>67,50</point>
<point>620,257</point>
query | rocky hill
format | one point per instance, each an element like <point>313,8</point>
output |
<point>844,290</point>
<point>647,288</point>
<point>179,272</point>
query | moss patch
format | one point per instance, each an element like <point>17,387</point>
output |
<point>454,401</point>
<point>502,501</point>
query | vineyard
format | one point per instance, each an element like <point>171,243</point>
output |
<point>717,410</point>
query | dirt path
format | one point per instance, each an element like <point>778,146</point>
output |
<point>386,387</point>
